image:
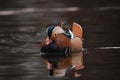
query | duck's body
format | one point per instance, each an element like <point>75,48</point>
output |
<point>58,35</point>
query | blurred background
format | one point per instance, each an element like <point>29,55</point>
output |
<point>23,24</point>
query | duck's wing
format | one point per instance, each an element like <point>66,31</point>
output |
<point>62,41</point>
<point>77,30</point>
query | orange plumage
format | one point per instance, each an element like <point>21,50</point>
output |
<point>62,41</point>
<point>77,30</point>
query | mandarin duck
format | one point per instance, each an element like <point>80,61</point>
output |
<point>56,50</point>
<point>61,42</point>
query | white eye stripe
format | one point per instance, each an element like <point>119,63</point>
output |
<point>58,30</point>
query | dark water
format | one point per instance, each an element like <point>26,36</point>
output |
<point>22,27</point>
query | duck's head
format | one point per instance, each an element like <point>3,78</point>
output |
<point>53,31</point>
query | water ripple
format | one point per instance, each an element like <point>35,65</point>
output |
<point>109,48</point>
<point>29,10</point>
<point>107,8</point>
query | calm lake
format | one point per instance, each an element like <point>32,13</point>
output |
<point>23,24</point>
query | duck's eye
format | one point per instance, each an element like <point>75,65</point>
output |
<point>55,35</point>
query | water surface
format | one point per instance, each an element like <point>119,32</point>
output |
<point>23,24</point>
